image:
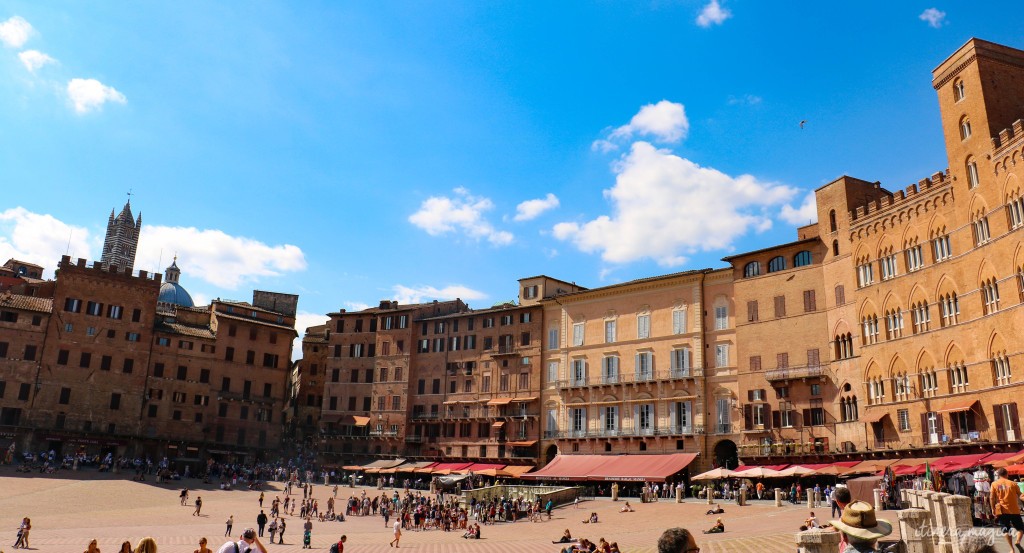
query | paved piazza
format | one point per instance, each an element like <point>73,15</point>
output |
<point>67,510</point>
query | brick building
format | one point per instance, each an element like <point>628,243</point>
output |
<point>306,392</point>
<point>366,389</point>
<point>911,299</point>
<point>105,366</point>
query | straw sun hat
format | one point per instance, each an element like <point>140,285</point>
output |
<point>859,521</point>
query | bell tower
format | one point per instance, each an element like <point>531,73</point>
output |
<point>122,239</point>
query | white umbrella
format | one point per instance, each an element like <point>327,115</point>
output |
<point>757,472</point>
<point>714,474</point>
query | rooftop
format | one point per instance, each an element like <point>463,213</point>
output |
<point>26,303</point>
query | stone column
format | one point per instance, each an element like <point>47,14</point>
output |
<point>958,518</point>
<point>877,495</point>
<point>916,530</point>
<point>904,497</point>
<point>710,493</point>
<point>743,496</point>
<point>817,541</point>
<point>941,523</point>
<point>778,497</point>
<point>679,495</point>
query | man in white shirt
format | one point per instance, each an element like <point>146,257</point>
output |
<point>246,544</point>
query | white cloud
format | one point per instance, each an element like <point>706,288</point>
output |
<point>419,294</point>
<point>713,14</point>
<point>214,256</point>
<point>89,94</point>
<point>15,32</point>
<point>304,320</point>
<point>34,59</point>
<point>41,239</point>
<point>531,209</point>
<point>665,121</point>
<point>665,207</point>
<point>744,100</point>
<point>806,213</point>
<point>355,305</point>
<point>934,17</point>
<point>441,215</point>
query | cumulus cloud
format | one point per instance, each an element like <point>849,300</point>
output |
<point>420,294</point>
<point>665,207</point>
<point>89,94</point>
<point>40,238</point>
<point>214,256</point>
<point>665,121</point>
<point>304,320</point>
<point>15,32</point>
<point>713,14</point>
<point>463,212</point>
<point>531,209</point>
<point>34,59</point>
<point>355,305</point>
<point>934,17</point>
<point>806,213</point>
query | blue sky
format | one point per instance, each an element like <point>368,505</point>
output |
<point>356,151</point>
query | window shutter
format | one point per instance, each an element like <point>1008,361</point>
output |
<point>938,424</point>
<point>997,419</point>
<point>636,418</point>
<point>601,419</point>
<point>750,395</point>
<point>807,417</point>
<point>748,417</point>
<point>687,407</point>
<point>954,426</point>
<point>924,427</point>
<point>672,417</point>
<point>776,419</point>
<point>1013,423</point>
<point>636,364</point>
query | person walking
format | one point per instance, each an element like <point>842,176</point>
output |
<point>261,521</point>
<point>398,534</point>
<point>272,529</point>
<point>22,530</point>
<point>199,505</point>
<point>340,546</point>
<point>184,495</point>
<point>229,523</point>
<point>1005,505</point>
<point>261,500</point>
<point>280,531</point>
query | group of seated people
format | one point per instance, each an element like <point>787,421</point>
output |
<point>591,519</point>
<point>473,533</point>
<point>584,545</point>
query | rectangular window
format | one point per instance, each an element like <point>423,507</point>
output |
<point>136,315</point>
<point>485,383</point>
<point>721,317</point>
<point>503,382</point>
<point>93,308</point>
<point>115,311</point>
<point>915,258</point>
<point>752,311</point>
<point>643,327</point>
<point>810,303</point>
<point>724,418</point>
<point>553,338</point>
<point>579,372</point>
<point>525,317</point>
<point>679,321</point>
<point>981,232</point>
<point>903,419</point>
<point>65,396</point>
<point>30,353</point>
<point>865,274</point>
<point>755,363</point>
<point>888,264</point>
<point>85,360</point>
<point>782,360</point>
<point>132,336</point>
<point>813,358</point>
<point>72,305</point>
<point>128,366</point>
<point>524,381</point>
<point>577,334</point>
<point>644,366</point>
<point>23,391</point>
<point>115,401</point>
<point>552,371</point>
<point>780,306</point>
<point>62,357</point>
<point>609,369</point>
<point>680,363</point>
<point>721,355</point>
<point>609,332</point>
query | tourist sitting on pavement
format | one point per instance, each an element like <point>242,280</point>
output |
<point>591,519</point>
<point>566,538</point>
<point>627,508</point>
<point>717,510</point>
<point>718,528</point>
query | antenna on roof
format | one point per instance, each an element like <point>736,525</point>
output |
<point>67,250</point>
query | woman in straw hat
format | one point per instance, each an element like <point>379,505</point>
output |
<point>861,528</point>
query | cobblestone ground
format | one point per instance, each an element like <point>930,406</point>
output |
<point>69,509</point>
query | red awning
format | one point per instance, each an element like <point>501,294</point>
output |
<point>518,470</point>
<point>483,466</point>
<point>450,466</point>
<point>647,468</point>
<point>959,462</point>
<point>846,464</point>
<point>954,407</point>
<point>815,466</point>
<point>568,467</point>
<point>993,457</point>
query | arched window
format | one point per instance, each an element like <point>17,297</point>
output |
<point>965,128</point>
<point>835,247</point>
<point>972,173</point>
<point>832,220</point>
<point>751,269</point>
<point>802,258</point>
<point>777,263</point>
<point>958,90</point>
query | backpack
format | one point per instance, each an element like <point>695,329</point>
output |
<point>335,547</point>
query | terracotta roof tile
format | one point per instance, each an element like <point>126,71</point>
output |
<point>26,303</point>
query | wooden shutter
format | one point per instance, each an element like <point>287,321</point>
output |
<point>938,424</point>
<point>807,417</point>
<point>924,427</point>
<point>997,419</point>
<point>954,425</point>
<point>1014,422</point>
<point>776,419</point>
<point>767,414</point>
<point>750,395</point>
<point>748,416</point>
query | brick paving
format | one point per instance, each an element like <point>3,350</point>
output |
<point>69,509</point>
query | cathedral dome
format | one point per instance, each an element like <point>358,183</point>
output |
<point>172,293</point>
